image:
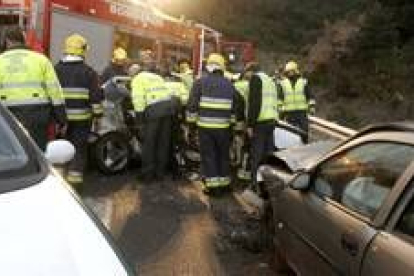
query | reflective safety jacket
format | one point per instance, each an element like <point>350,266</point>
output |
<point>242,86</point>
<point>213,103</point>
<point>28,79</point>
<point>151,96</point>
<point>178,89</point>
<point>80,86</point>
<point>268,110</point>
<point>187,78</point>
<point>294,96</point>
<point>263,100</point>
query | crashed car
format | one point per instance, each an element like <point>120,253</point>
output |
<point>345,208</point>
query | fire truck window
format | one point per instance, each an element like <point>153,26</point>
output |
<point>173,53</point>
<point>133,44</point>
<point>139,44</point>
<point>9,20</point>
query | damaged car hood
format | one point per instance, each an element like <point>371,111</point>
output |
<point>301,157</point>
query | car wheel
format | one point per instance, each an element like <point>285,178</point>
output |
<point>112,153</point>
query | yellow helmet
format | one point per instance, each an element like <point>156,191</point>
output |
<point>119,55</point>
<point>292,67</point>
<point>76,44</point>
<point>217,59</point>
<point>184,66</point>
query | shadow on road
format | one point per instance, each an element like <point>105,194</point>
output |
<point>149,234</point>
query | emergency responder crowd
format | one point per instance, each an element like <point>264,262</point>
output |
<point>216,106</point>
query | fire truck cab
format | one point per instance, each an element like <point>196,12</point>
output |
<point>106,24</point>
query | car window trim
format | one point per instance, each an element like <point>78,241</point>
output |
<point>345,209</point>
<point>380,216</point>
<point>35,156</point>
<point>395,202</point>
<point>400,207</point>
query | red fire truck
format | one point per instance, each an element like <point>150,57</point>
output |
<point>238,54</point>
<point>133,25</point>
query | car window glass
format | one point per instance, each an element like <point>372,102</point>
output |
<point>12,154</point>
<point>362,177</point>
<point>405,224</point>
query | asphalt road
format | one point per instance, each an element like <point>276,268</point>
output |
<point>172,228</point>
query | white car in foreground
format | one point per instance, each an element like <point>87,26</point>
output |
<point>45,228</point>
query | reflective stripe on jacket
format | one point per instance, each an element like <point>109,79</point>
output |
<point>268,110</point>
<point>81,89</point>
<point>187,78</point>
<point>211,103</point>
<point>149,89</point>
<point>294,95</point>
<point>28,78</point>
<point>179,90</point>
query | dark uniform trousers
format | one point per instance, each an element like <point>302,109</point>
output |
<point>36,120</point>
<point>156,150</point>
<point>78,133</point>
<point>261,144</point>
<point>298,119</point>
<point>215,151</point>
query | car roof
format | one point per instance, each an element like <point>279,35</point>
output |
<point>404,126</point>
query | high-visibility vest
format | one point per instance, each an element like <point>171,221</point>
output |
<point>294,96</point>
<point>148,89</point>
<point>188,79</point>
<point>242,86</point>
<point>28,78</point>
<point>268,110</point>
<point>179,90</point>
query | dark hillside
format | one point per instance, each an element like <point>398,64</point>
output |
<point>276,25</point>
<point>359,51</point>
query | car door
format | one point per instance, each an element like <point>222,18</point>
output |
<point>333,218</point>
<point>392,250</point>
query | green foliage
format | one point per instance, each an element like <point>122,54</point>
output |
<point>379,66</point>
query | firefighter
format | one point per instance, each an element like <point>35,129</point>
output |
<point>117,67</point>
<point>212,107</point>
<point>296,97</point>
<point>180,94</point>
<point>243,172</point>
<point>186,74</point>
<point>29,87</point>
<point>177,88</point>
<point>154,109</point>
<point>261,114</point>
<point>83,102</point>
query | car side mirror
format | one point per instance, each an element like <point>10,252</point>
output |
<point>301,181</point>
<point>276,178</point>
<point>59,152</point>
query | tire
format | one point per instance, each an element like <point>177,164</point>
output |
<point>112,153</point>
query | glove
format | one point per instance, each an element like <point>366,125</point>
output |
<point>61,130</point>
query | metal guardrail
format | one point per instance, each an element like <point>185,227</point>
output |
<point>331,129</point>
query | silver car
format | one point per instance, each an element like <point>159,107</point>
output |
<point>345,209</point>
